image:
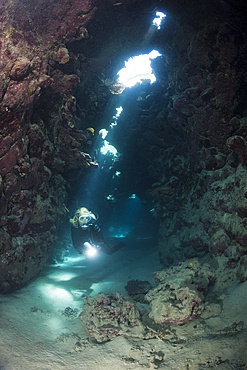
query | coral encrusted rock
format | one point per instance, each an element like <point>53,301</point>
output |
<point>178,297</point>
<point>109,316</point>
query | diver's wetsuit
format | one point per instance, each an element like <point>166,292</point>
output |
<point>92,233</point>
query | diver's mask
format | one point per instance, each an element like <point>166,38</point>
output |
<point>85,221</point>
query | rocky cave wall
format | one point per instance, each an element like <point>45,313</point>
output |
<point>186,134</point>
<point>200,192</point>
<point>40,147</point>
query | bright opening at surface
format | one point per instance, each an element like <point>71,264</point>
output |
<point>108,149</point>
<point>159,17</point>
<point>103,133</point>
<point>138,69</point>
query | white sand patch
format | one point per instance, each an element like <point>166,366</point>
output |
<point>35,334</point>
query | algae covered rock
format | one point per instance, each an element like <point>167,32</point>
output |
<point>109,316</point>
<point>178,297</point>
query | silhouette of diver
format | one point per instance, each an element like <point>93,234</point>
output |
<point>87,236</point>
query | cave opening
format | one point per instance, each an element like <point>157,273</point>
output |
<point>113,104</point>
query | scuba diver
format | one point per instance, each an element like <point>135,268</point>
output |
<point>87,236</point>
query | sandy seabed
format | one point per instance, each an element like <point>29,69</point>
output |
<point>36,334</point>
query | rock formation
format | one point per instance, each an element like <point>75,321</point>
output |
<point>109,316</point>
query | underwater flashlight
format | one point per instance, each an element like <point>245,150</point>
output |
<point>88,250</point>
